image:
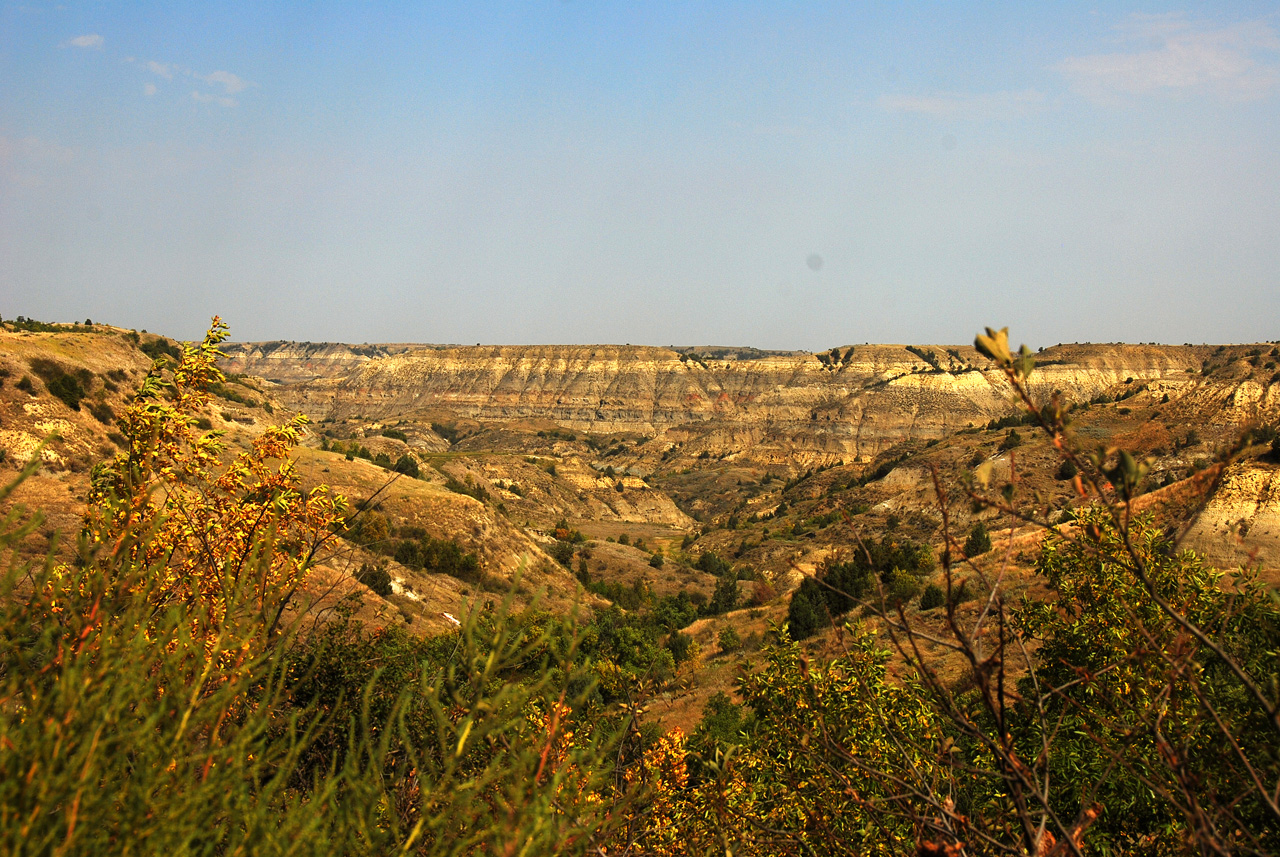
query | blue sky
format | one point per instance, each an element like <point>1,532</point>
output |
<point>785,175</point>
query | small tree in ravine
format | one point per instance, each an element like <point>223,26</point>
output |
<point>728,639</point>
<point>979,540</point>
<point>807,611</point>
<point>724,597</point>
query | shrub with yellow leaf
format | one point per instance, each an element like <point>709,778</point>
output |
<point>209,526</point>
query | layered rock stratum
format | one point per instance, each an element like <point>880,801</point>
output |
<point>846,405</point>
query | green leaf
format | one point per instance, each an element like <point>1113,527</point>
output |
<point>994,345</point>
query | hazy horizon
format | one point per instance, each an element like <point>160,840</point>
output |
<point>235,340</point>
<point>571,173</point>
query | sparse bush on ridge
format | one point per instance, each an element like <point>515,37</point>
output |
<point>66,386</point>
<point>376,577</point>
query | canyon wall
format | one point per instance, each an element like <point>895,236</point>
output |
<point>848,404</point>
<point>300,362</point>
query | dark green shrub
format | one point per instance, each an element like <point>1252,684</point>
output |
<point>979,540</point>
<point>840,585</point>
<point>160,347</point>
<point>102,413</point>
<point>1066,470</point>
<point>1264,434</point>
<point>711,563</point>
<point>961,592</point>
<point>1011,440</point>
<point>376,577</point>
<point>225,392</point>
<point>26,386</point>
<point>437,556</point>
<point>679,644</point>
<point>407,465</point>
<point>807,610</point>
<point>675,611</point>
<point>449,433</point>
<point>723,723</point>
<point>724,597</point>
<point>67,389</point>
<point>844,584</point>
<point>33,326</point>
<point>562,552</point>
<point>470,489</point>
<point>901,586</point>
<point>932,597</point>
<point>728,639</point>
<point>63,385</point>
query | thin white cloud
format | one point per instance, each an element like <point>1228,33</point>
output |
<point>966,105</point>
<point>91,40</point>
<point>149,90</point>
<point>167,70</point>
<point>205,98</point>
<point>1238,61</point>
<point>231,82</point>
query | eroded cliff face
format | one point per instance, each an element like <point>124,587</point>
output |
<point>844,406</point>
<point>300,362</point>
<point>1240,525</point>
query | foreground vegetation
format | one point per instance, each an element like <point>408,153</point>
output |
<point>159,695</point>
